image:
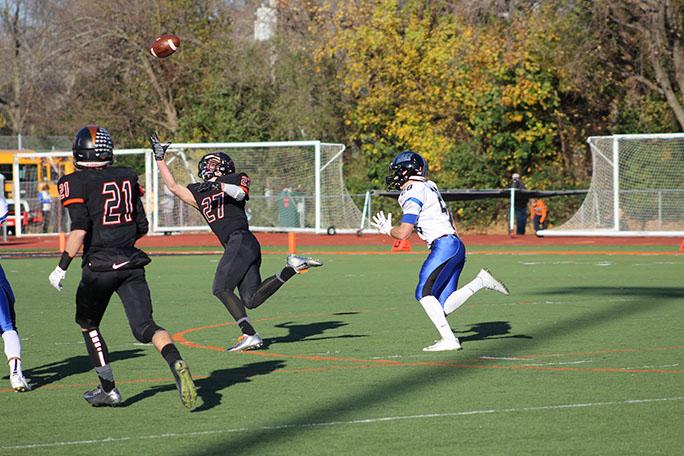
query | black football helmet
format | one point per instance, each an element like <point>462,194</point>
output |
<point>93,147</point>
<point>215,164</point>
<point>405,165</point>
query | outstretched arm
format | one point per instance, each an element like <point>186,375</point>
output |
<point>181,192</point>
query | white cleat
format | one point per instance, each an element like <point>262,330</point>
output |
<point>444,345</point>
<point>245,342</point>
<point>98,397</point>
<point>489,282</point>
<point>301,264</point>
<point>19,383</point>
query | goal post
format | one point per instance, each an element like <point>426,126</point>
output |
<point>296,186</point>
<point>637,188</point>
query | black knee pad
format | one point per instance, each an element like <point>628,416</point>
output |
<point>145,331</point>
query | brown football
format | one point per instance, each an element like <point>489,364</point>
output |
<point>164,46</point>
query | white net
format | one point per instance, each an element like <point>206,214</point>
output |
<point>296,186</point>
<point>36,175</point>
<point>637,188</point>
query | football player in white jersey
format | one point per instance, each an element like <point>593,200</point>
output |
<point>425,211</point>
<point>8,327</point>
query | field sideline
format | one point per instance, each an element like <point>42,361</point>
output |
<point>584,357</point>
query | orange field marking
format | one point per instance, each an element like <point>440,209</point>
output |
<point>180,337</point>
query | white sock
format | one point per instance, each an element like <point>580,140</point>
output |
<point>434,310</point>
<point>460,296</point>
<point>12,350</point>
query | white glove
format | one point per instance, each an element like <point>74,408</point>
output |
<point>382,223</point>
<point>56,278</point>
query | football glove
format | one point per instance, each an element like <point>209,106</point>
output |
<point>382,223</point>
<point>209,186</point>
<point>56,278</point>
<point>158,149</point>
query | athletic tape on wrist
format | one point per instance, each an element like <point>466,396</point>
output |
<point>65,261</point>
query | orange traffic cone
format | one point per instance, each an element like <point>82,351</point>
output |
<point>681,247</point>
<point>401,245</point>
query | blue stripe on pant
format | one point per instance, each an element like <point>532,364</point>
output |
<point>440,272</point>
<point>6,304</point>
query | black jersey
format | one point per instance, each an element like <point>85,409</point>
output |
<point>106,203</point>
<point>224,214</point>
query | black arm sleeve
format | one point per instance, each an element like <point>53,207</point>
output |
<point>79,216</point>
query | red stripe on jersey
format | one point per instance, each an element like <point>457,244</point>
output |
<point>65,203</point>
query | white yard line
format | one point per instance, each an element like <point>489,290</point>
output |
<point>336,423</point>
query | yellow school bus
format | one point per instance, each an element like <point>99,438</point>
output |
<point>41,171</point>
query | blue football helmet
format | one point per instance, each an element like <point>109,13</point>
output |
<point>405,165</point>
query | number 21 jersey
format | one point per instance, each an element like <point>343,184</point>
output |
<point>106,203</point>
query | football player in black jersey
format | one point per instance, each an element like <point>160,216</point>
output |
<point>221,199</point>
<point>107,217</point>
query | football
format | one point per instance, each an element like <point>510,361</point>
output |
<point>164,46</point>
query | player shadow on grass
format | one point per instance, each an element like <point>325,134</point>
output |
<point>300,332</point>
<point>489,330</point>
<point>53,372</point>
<point>209,388</point>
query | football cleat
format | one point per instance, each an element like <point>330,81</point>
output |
<point>489,282</point>
<point>301,264</point>
<point>444,345</point>
<point>185,385</point>
<point>100,398</point>
<point>245,342</point>
<point>19,383</point>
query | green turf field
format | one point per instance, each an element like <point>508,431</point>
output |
<point>584,357</point>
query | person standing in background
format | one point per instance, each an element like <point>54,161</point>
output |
<point>539,213</point>
<point>45,201</point>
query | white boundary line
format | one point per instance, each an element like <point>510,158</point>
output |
<point>338,423</point>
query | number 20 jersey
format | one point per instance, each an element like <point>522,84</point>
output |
<point>424,207</point>
<point>106,203</point>
<point>224,214</point>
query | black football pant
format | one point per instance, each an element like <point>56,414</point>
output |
<point>239,268</point>
<point>96,289</point>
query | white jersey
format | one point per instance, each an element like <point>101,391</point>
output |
<point>424,207</point>
<point>3,209</point>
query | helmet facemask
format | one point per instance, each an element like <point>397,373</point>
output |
<point>215,165</point>
<point>404,166</point>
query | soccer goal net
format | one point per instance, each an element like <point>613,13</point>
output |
<point>637,188</point>
<point>35,209</point>
<point>296,186</point>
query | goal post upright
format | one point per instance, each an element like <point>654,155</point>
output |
<point>317,185</point>
<point>616,183</point>
<point>17,197</point>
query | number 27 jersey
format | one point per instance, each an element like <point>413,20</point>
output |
<point>224,214</point>
<point>424,207</point>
